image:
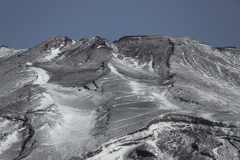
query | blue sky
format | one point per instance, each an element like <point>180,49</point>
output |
<point>26,23</point>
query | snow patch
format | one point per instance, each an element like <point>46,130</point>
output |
<point>115,148</point>
<point>29,64</point>
<point>73,42</point>
<point>136,87</point>
<point>75,126</point>
<point>114,47</point>
<point>8,126</point>
<point>4,51</point>
<point>150,66</point>
<point>163,100</point>
<point>152,93</point>
<point>52,54</point>
<point>114,70</point>
<point>9,141</point>
<point>42,76</point>
<point>46,102</point>
<point>4,124</point>
<point>70,117</point>
<point>129,62</point>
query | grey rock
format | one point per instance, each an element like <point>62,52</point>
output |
<point>141,97</point>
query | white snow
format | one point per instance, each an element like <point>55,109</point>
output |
<point>70,115</point>
<point>130,124</point>
<point>206,115</point>
<point>9,141</point>
<point>114,70</point>
<point>190,67</point>
<point>74,126</point>
<point>163,100</point>
<point>52,54</point>
<point>4,124</point>
<point>215,150</point>
<point>129,62</point>
<point>46,102</point>
<point>7,126</point>
<point>115,148</point>
<point>73,42</point>
<point>4,51</point>
<point>137,87</point>
<point>150,68</point>
<point>115,55</point>
<point>153,94</point>
<point>199,68</point>
<point>29,64</point>
<point>113,47</point>
<point>41,76</point>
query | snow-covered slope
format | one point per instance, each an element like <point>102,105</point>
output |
<point>141,97</point>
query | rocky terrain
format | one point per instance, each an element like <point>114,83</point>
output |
<point>138,98</point>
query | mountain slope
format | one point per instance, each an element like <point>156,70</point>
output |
<point>141,97</point>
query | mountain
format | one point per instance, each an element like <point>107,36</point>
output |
<point>141,97</point>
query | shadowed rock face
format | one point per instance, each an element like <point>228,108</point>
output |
<point>141,97</point>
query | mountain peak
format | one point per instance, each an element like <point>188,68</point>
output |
<point>56,42</point>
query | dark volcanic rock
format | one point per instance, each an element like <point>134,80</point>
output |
<point>141,97</point>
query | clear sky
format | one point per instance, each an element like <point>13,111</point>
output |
<point>26,23</point>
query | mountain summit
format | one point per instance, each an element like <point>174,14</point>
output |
<point>141,97</point>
